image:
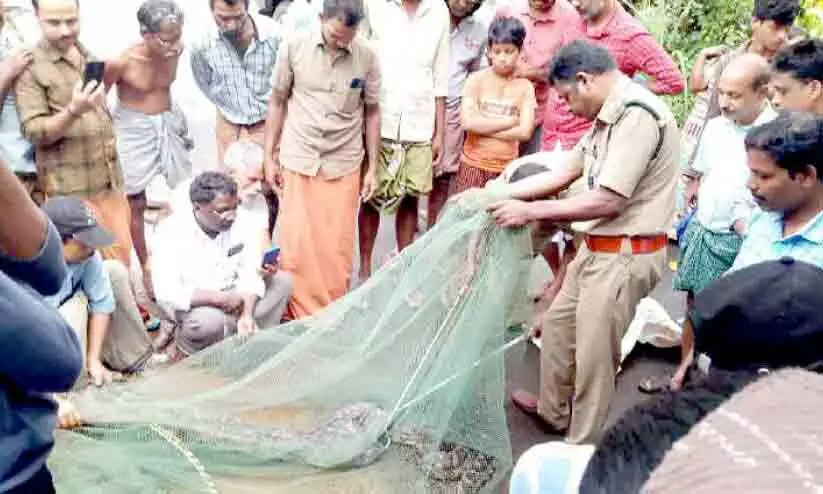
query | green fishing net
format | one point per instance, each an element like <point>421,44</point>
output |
<point>396,388</point>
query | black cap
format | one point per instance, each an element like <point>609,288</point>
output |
<point>74,219</point>
<point>766,315</point>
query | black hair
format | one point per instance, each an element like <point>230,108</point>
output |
<point>36,4</point>
<point>349,12</point>
<point>580,56</point>
<point>230,2</point>
<point>794,140</point>
<point>782,12</point>
<point>802,60</point>
<point>634,446</point>
<point>208,185</point>
<point>508,31</point>
<point>526,170</point>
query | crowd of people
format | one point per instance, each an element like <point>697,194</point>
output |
<point>331,114</point>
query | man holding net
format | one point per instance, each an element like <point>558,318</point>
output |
<point>629,164</point>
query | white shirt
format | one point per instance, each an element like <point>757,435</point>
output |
<point>723,196</point>
<point>185,259</point>
<point>468,42</point>
<point>413,53</point>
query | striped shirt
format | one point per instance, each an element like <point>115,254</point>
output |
<point>238,84</point>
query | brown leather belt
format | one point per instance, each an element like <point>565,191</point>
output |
<point>641,244</point>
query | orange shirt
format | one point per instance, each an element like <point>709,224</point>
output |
<point>495,97</point>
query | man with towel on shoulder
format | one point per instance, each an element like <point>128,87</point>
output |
<point>152,135</point>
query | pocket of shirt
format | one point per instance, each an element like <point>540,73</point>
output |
<point>351,100</point>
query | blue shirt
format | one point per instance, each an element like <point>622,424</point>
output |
<point>91,277</point>
<point>765,241</point>
<point>39,355</point>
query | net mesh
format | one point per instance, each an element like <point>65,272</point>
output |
<point>398,387</point>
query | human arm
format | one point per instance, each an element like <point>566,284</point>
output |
<point>96,285</point>
<point>622,169</point>
<point>472,119</point>
<point>10,70</point>
<point>39,124</point>
<point>201,71</point>
<point>371,99</point>
<point>698,80</point>
<point>649,58</point>
<point>114,70</point>
<point>543,185</point>
<point>525,126</point>
<point>282,81</point>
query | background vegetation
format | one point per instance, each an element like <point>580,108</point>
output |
<point>685,27</point>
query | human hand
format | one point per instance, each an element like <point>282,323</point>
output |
<point>98,374</point>
<point>246,325</point>
<point>229,302</point>
<point>67,415</point>
<point>273,173</point>
<point>369,185</point>
<point>86,98</point>
<point>268,270</point>
<point>510,213</point>
<point>690,194</point>
<point>13,66</point>
<point>437,147</point>
<point>713,52</point>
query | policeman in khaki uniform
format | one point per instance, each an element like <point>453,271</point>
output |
<point>627,164</point>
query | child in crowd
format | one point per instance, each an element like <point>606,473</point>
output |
<point>497,109</point>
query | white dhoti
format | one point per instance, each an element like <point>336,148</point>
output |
<point>151,145</point>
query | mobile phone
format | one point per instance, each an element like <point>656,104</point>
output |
<point>271,256</point>
<point>94,72</point>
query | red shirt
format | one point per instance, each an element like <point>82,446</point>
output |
<point>545,34</point>
<point>635,52</point>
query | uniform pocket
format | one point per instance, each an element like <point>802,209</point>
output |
<point>351,100</point>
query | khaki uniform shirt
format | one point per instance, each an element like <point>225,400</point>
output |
<point>327,94</point>
<point>618,154</point>
<point>83,162</point>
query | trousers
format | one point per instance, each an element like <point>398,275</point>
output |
<point>581,337</point>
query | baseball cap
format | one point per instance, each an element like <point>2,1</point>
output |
<point>768,315</point>
<point>74,219</point>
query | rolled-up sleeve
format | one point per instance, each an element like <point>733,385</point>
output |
<point>201,70</point>
<point>32,106</point>
<point>648,57</point>
<point>169,288</point>
<point>632,143</point>
<point>96,285</point>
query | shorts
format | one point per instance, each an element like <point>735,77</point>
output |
<point>403,170</point>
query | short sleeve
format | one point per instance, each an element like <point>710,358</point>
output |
<point>373,81</point>
<point>96,285</point>
<point>632,142</point>
<point>282,77</point>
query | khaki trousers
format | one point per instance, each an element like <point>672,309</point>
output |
<point>127,345</point>
<point>581,337</point>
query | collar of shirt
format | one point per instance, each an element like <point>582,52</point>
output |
<point>544,17</point>
<point>464,26</point>
<point>605,27</point>
<point>264,28</point>
<point>317,38</point>
<point>613,106</point>
<point>811,231</point>
<point>53,54</point>
<point>424,6</point>
<point>766,115</point>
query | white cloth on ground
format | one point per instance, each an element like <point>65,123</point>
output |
<point>151,145</point>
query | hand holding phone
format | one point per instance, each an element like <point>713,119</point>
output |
<point>271,256</point>
<point>94,72</point>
